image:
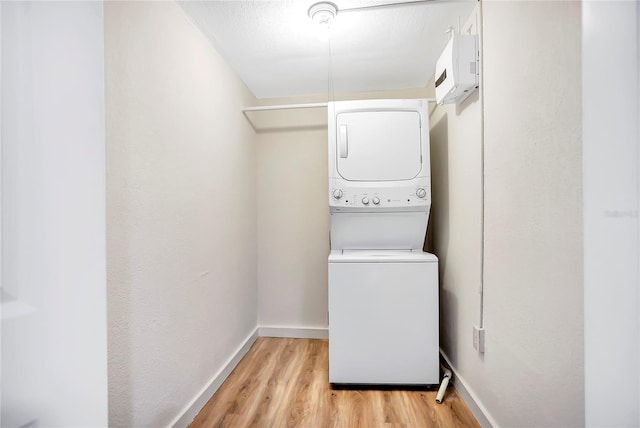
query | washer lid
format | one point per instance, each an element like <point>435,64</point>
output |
<point>381,256</point>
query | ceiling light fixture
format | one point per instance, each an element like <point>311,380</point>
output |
<point>322,14</point>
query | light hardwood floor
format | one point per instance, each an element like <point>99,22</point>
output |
<point>284,383</point>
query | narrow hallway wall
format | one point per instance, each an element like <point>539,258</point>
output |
<point>531,373</point>
<point>53,303</point>
<point>181,212</point>
<point>533,274</point>
<point>611,155</point>
<point>455,227</point>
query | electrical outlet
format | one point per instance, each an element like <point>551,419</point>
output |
<point>478,338</point>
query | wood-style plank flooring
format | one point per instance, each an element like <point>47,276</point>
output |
<point>284,383</point>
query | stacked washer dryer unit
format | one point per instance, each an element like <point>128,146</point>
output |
<point>383,289</point>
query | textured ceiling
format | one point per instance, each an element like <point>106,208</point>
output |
<point>273,47</point>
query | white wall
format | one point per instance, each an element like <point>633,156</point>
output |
<point>611,258</point>
<point>533,272</point>
<point>181,207</point>
<point>293,227</point>
<point>455,229</point>
<point>54,333</point>
<point>531,373</point>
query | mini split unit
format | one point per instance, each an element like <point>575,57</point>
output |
<point>457,69</point>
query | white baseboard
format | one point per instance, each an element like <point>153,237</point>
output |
<point>295,332</point>
<point>191,410</point>
<point>470,398</point>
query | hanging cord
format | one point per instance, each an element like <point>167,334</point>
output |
<point>480,30</point>
<point>330,87</point>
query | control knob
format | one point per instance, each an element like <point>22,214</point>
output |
<point>337,194</point>
<point>376,201</point>
<point>421,193</point>
<point>365,201</point>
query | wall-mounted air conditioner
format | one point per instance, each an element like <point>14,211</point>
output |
<point>457,69</point>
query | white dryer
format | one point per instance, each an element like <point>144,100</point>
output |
<point>383,290</point>
<point>379,174</point>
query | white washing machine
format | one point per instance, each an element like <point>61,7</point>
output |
<point>383,289</point>
<point>383,317</point>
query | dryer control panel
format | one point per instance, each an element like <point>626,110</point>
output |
<point>382,198</point>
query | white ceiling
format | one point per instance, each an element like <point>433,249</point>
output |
<point>273,47</point>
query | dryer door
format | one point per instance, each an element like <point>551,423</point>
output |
<point>378,145</point>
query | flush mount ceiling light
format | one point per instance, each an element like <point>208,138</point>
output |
<point>322,14</point>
